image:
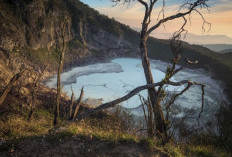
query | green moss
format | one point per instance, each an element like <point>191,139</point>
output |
<point>41,56</point>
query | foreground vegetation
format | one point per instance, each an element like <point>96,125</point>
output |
<point>111,132</point>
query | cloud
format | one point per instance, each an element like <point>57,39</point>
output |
<point>222,7</point>
<point>220,17</point>
<point>132,11</point>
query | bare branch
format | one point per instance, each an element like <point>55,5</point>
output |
<point>148,116</point>
<point>128,96</point>
<point>204,22</point>
<point>191,8</point>
<point>143,101</point>
<point>10,85</point>
<point>117,101</point>
<point>78,104</point>
<point>202,103</point>
<point>184,90</point>
<point>162,11</point>
<point>61,62</point>
<point>144,3</point>
<point>71,105</point>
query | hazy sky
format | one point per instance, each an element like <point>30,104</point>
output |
<point>219,15</point>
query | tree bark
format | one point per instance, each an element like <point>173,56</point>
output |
<point>78,104</point>
<point>10,85</point>
<point>155,100</point>
<point>157,96</point>
<point>128,96</point>
<point>57,108</point>
<point>148,116</point>
<point>71,105</point>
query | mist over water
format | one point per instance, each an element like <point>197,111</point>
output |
<point>113,80</point>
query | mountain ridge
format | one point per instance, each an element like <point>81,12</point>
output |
<point>218,47</point>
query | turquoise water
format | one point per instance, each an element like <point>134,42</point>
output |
<point>113,80</point>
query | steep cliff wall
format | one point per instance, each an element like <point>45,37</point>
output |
<point>31,24</point>
<point>31,34</point>
<point>37,24</point>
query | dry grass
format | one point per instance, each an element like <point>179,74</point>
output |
<point>16,126</point>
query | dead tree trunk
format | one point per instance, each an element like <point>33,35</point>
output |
<point>133,93</point>
<point>148,116</point>
<point>157,96</point>
<point>57,108</point>
<point>33,97</point>
<point>155,100</point>
<point>78,104</point>
<point>10,85</point>
<point>71,105</point>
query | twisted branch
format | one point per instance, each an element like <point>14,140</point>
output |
<point>129,95</point>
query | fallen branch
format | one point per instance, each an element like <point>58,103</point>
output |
<point>126,97</point>
<point>78,104</point>
<point>10,85</point>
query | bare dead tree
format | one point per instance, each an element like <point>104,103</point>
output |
<point>148,115</point>
<point>10,85</point>
<point>33,101</point>
<point>156,96</point>
<point>78,104</point>
<point>71,105</point>
<point>57,108</point>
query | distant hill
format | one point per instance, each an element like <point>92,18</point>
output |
<point>219,47</point>
<point>226,51</point>
<point>208,39</point>
<point>198,39</point>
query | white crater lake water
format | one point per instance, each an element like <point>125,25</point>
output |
<point>115,79</point>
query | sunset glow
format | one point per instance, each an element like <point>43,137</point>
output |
<point>219,15</point>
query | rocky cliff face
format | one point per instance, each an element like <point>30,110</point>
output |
<point>32,24</point>
<point>37,24</point>
<point>31,33</point>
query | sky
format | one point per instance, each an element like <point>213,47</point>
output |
<point>219,15</point>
